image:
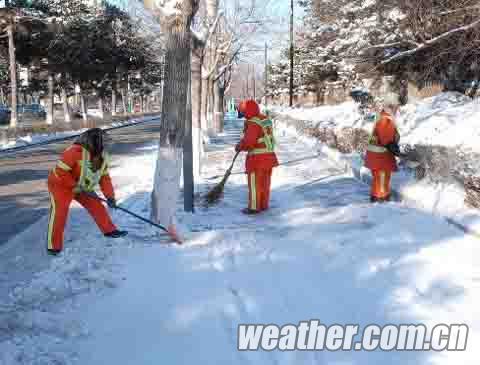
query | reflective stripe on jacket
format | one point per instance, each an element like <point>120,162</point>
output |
<point>266,144</point>
<point>74,171</point>
<point>259,142</point>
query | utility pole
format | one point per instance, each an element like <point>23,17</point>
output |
<point>188,178</point>
<point>291,53</point>
<point>248,81</point>
<point>266,73</point>
<point>254,84</point>
<point>13,73</point>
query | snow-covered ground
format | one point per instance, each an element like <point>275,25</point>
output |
<point>448,119</point>
<point>45,137</point>
<point>321,252</point>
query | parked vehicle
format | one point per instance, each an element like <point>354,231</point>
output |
<point>34,110</point>
<point>4,115</point>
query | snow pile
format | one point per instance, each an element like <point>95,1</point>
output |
<point>38,138</point>
<point>448,119</point>
<point>46,137</point>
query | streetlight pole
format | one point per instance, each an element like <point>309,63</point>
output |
<point>266,73</point>
<point>291,53</point>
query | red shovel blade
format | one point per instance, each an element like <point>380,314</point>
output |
<point>172,231</point>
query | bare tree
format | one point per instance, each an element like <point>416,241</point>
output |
<point>176,19</point>
<point>13,75</point>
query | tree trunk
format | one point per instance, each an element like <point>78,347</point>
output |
<point>212,9</point>
<point>13,77</point>
<point>66,108</point>
<point>50,99</point>
<point>292,53</point>
<point>101,108</point>
<point>204,105</point>
<point>196,104</point>
<point>2,96</point>
<point>161,94</point>
<point>211,105</point>
<point>114,98</point>
<point>124,101</point>
<point>174,116</point>
<point>219,111</point>
<point>83,107</point>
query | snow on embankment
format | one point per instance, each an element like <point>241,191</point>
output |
<point>35,138</point>
<point>444,128</point>
<point>449,120</point>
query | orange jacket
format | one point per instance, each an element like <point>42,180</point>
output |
<point>68,171</point>
<point>252,133</point>
<point>384,133</point>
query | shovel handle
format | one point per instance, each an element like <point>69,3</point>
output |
<point>95,196</point>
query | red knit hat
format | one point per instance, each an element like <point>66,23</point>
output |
<point>241,106</point>
<point>251,109</point>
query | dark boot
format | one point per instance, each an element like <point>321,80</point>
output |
<point>373,199</point>
<point>249,211</point>
<point>53,252</point>
<point>116,234</point>
<point>384,200</point>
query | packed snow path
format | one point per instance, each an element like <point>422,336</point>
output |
<point>321,252</point>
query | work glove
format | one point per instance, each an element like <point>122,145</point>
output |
<point>394,148</point>
<point>112,203</point>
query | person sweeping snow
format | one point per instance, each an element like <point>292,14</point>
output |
<point>381,149</point>
<point>82,167</point>
<point>259,142</point>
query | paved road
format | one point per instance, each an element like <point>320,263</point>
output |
<point>23,192</point>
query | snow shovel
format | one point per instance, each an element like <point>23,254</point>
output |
<point>173,235</point>
<point>216,193</point>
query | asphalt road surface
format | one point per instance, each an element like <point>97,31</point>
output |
<point>23,176</point>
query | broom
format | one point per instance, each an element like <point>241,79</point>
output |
<point>216,193</point>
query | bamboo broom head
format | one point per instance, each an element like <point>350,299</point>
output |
<point>214,195</point>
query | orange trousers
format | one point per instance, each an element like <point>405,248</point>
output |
<point>259,182</point>
<point>61,199</point>
<point>380,184</point>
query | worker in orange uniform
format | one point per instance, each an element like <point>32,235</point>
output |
<point>259,142</point>
<point>241,109</point>
<point>382,148</point>
<point>82,167</point>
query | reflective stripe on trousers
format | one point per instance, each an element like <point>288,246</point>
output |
<point>51,222</point>
<point>380,184</point>
<point>61,199</point>
<point>259,182</point>
<point>253,191</point>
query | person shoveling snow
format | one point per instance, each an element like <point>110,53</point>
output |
<point>82,167</point>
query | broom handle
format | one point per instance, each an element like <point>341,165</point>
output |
<point>233,162</point>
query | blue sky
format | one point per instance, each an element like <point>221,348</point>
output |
<point>278,36</point>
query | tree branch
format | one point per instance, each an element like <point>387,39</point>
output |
<point>431,42</point>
